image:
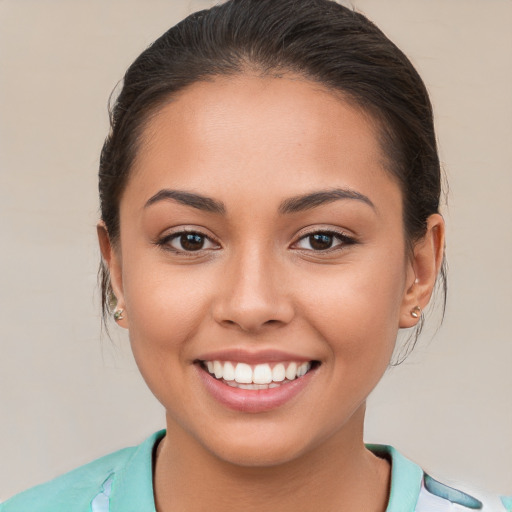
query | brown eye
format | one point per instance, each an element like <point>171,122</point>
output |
<point>321,241</point>
<point>187,241</point>
<point>191,241</point>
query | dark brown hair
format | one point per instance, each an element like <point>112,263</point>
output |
<point>318,39</point>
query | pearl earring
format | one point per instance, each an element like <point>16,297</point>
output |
<point>118,314</point>
<point>416,312</point>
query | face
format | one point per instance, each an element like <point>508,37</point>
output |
<point>261,238</point>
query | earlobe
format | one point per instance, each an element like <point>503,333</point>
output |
<point>112,261</point>
<point>423,270</point>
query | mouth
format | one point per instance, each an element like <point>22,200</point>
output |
<point>260,376</point>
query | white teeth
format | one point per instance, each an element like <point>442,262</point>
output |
<point>217,369</point>
<point>262,374</point>
<point>291,371</point>
<point>278,373</point>
<point>243,373</point>
<point>303,369</point>
<point>252,386</point>
<point>229,371</point>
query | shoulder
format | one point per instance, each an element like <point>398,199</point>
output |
<point>84,487</point>
<point>78,487</point>
<point>438,496</point>
<point>414,490</point>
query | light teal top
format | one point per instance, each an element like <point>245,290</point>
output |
<point>123,482</point>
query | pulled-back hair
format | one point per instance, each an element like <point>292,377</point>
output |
<point>318,39</point>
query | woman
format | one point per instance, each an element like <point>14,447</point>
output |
<point>269,195</point>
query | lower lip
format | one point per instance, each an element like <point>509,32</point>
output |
<point>253,400</point>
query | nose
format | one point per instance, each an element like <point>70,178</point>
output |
<point>253,294</point>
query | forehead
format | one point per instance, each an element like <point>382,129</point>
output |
<point>245,131</point>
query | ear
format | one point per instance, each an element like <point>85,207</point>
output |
<point>112,259</point>
<point>422,271</point>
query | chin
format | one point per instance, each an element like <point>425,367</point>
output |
<point>261,446</point>
<point>258,455</point>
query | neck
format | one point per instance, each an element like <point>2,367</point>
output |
<point>338,475</point>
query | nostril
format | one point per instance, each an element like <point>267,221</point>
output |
<point>250,297</point>
<point>249,323</point>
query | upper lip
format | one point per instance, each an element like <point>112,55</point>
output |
<point>242,355</point>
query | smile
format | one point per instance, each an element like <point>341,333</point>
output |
<point>259,376</point>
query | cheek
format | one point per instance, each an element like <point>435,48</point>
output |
<point>164,308</point>
<point>356,308</point>
<point>358,320</point>
<point>162,318</point>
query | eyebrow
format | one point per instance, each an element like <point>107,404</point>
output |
<point>292,205</point>
<point>198,201</point>
<point>315,199</point>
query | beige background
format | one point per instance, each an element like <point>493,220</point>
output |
<point>67,396</point>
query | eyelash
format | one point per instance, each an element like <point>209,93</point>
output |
<point>165,242</point>
<point>343,239</point>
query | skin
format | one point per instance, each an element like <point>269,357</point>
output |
<point>251,143</point>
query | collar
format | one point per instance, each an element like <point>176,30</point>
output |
<point>133,486</point>
<point>406,479</point>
